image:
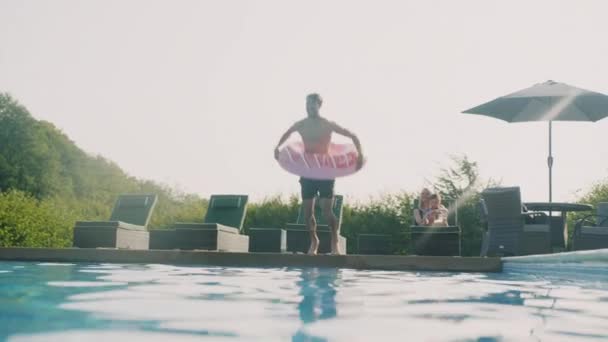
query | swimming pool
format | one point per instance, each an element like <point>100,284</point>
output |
<point>529,301</point>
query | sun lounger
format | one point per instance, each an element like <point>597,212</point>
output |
<point>437,240</point>
<point>126,228</point>
<point>295,237</point>
<point>507,232</point>
<point>370,244</point>
<point>221,229</point>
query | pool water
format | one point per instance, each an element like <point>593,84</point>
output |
<point>115,302</point>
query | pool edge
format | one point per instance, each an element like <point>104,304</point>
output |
<point>207,258</point>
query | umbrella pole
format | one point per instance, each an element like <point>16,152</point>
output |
<point>550,164</point>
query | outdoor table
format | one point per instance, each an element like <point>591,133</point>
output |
<point>559,226</point>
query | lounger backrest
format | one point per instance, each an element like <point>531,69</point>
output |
<point>337,209</point>
<point>134,209</point>
<point>602,212</point>
<point>505,220</point>
<point>228,210</point>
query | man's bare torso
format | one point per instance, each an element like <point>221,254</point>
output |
<point>316,134</point>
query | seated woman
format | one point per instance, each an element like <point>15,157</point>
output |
<point>437,214</point>
<point>423,208</point>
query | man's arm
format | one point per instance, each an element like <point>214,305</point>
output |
<point>343,131</point>
<point>284,138</point>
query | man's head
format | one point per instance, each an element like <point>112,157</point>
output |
<point>313,104</point>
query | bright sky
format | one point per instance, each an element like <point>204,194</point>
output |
<point>197,93</point>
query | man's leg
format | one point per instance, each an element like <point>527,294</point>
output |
<point>326,193</point>
<point>332,222</point>
<point>309,215</point>
<point>309,192</point>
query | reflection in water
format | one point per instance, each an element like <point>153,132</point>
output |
<point>93,302</point>
<point>318,290</point>
<point>29,304</point>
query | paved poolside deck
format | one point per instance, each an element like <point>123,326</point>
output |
<point>589,256</point>
<point>206,258</point>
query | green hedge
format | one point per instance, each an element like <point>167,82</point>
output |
<point>28,222</point>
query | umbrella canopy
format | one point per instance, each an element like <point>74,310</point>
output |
<point>548,101</point>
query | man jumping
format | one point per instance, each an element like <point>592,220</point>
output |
<point>316,134</point>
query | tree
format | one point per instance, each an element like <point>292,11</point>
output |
<point>459,183</point>
<point>459,179</point>
<point>47,170</point>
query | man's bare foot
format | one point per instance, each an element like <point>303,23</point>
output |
<point>314,246</point>
<point>335,249</point>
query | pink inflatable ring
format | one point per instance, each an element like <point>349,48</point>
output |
<point>340,161</point>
